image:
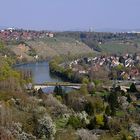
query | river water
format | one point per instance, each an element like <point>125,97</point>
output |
<point>40,74</point>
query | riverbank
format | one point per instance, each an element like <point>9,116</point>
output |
<point>65,73</point>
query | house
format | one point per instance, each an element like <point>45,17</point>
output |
<point>134,72</point>
<point>51,35</point>
<point>20,57</point>
<point>82,72</point>
<point>5,56</point>
<point>36,57</point>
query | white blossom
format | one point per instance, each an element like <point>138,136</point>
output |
<point>46,127</point>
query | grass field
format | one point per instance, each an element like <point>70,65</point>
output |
<point>119,47</point>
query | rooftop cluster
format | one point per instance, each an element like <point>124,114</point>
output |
<point>15,34</point>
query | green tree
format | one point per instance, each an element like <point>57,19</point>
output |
<point>133,88</point>
<point>92,124</point>
<point>113,102</point>
<point>108,111</point>
<point>40,93</point>
<point>129,98</point>
<point>85,80</point>
<point>89,108</point>
<point>58,90</point>
<point>106,122</point>
<point>1,46</point>
<point>83,89</point>
<point>9,78</point>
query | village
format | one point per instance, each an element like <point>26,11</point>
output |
<point>11,34</point>
<point>126,66</point>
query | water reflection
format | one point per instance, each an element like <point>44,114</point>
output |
<point>40,72</point>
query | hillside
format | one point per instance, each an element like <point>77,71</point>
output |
<point>50,47</point>
<point>107,42</point>
<point>75,44</point>
<point>120,47</point>
<point>59,46</point>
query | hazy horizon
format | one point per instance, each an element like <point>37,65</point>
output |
<point>70,15</point>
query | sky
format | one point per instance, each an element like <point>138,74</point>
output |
<point>70,14</point>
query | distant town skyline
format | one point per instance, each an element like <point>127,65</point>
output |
<point>70,15</point>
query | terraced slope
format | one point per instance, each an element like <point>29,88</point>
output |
<point>50,47</point>
<point>59,46</point>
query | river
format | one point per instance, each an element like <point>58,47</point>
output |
<point>41,73</point>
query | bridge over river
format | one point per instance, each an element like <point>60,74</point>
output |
<point>53,84</point>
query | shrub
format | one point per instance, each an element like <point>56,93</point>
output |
<point>55,106</point>
<point>75,101</point>
<point>46,127</point>
<point>83,90</point>
<point>18,133</point>
<point>99,120</point>
<point>95,103</point>
<point>75,122</point>
<point>96,122</point>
